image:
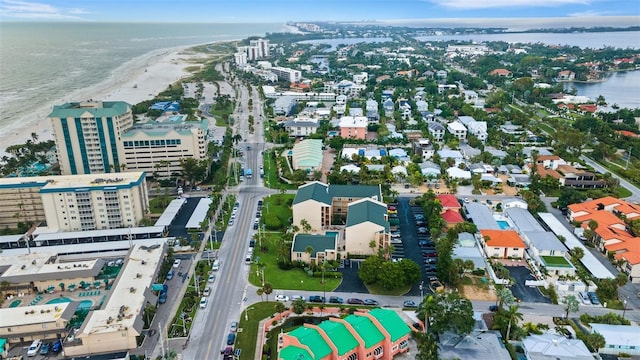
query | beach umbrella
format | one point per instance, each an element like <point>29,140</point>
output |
<point>50,288</point>
<point>97,284</point>
<point>61,286</point>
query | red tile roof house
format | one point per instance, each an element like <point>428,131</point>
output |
<point>450,209</point>
<point>588,108</point>
<point>503,244</point>
<point>566,75</point>
<point>500,72</point>
<point>611,234</point>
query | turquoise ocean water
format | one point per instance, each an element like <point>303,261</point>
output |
<point>42,63</point>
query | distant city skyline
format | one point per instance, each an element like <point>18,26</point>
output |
<point>435,12</point>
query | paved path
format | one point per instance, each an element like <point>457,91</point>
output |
<point>635,191</point>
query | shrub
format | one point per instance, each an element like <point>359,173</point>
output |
<point>285,265</point>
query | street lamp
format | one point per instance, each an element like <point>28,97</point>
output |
<point>421,288</point>
<point>246,314</point>
<point>624,307</point>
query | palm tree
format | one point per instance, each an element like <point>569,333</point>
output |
<point>279,307</point>
<point>267,289</point>
<point>309,250</point>
<point>505,296</point>
<point>514,316</point>
<point>424,309</point>
<point>260,291</point>
<point>571,304</point>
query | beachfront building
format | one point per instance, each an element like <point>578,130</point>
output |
<point>365,335</point>
<point>87,135</point>
<point>353,127</point>
<point>367,222</point>
<point>117,324</point>
<point>156,147</point>
<point>240,58</point>
<point>316,248</point>
<point>76,202</point>
<point>46,322</point>
<point>502,244</point>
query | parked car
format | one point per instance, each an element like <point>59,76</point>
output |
<point>335,300</point>
<point>231,339</point>
<point>234,326</point>
<point>34,347</point>
<point>423,230</point>
<point>493,308</point>
<point>57,346</point>
<point>370,302</point>
<point>594,298</point>
<point>282,298</point>
<point>170,274</point>
<point>585,298</point>
<point>316,299</point>
<point>409,304</point>
<point>355,301</point>
<point>298,297</point>
<point>227,353</point>
<point>211,278</point>
<point>203,302</point>
<point>176,263</point>
<point>162,298</point>
<point>206,292</point>
<point>45,348</point>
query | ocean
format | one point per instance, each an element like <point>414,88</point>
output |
<point>42,64</point>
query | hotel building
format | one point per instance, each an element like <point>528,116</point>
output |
<point>77,202</point>
<point>88,133</point>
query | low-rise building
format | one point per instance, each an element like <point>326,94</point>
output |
<point>436,130</point>
<point>353,127</point>
<point>458,130</point>
<point>46,322</point>
<point>376,334</point>
<point>307,155</point>
<point>618,338</point>
<point>502,244</point>
<point>367,221</point>
<point>283,105</point>
<point>554,347</point>
<point>316,248</point>
<point>301,127</point>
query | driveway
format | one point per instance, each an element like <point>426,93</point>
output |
<point>350,280</point>
<point>409,233</point>
<point>177,227</point>
<point>522,292</point>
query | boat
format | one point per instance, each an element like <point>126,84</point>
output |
<point>135,86</point>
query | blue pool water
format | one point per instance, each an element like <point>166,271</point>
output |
<point>331,233</point>
<point>84,304</point>
<point>503,224</point>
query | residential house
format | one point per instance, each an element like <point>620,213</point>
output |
<point>284,105</point>
<point>458,130</point>
<point>474,127</point>
<point>436,130</point>
<point>573,177</point>
<point>457,173</point>
<point>470,96</point>
<point>467,249</point>
<point>469,151</point>
<point>389,107</point>
<point>618,338</point>
<point>549,252</point>
<point>386,95</point>
<point>500,73</point>
<point>371,105</point>
<point>450,210</point>
<point>367,224</point>
<point>479,344</point>
<point>456,155</point>
<point>422,106</point>
<point>424,148</point>
<point>566,75</point>
<point>554,347</point>
<point>430,169</point>
<point>353,127</point>
<point>314,248</point>
<point>511,203</point>
<point>502,244</point>
<point>301,126</point>
<point>550,161</point>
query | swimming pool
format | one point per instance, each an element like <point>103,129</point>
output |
<point>84,304</point>
<point>503,224</point>
<point>332,233</point>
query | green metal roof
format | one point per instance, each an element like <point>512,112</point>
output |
<point>313,191</point>
<point>340,336</point>
<point>367,330</point>
<point>325,193</point>
<point>391,322</point>
<point>312,339</point>
<point>294,353</point>
<point>366,210</point>
<point>355,191</point>
<point>74,110</point>
<point>319,243</point>
<point>308,153</point>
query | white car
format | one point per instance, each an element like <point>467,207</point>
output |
<point>176,263</point>
<point>206,292</point>
<point>203,302</point>
<point>282,298</point>
<point>211,278</point>
<point>298,297</point>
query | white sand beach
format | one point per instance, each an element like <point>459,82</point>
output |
<point>140,79</point>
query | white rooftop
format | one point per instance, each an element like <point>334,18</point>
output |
<point>127,297</point>
<point>353,121</point>
<point>199,214</point>
<point>42,314</point>
<point>170,212</point>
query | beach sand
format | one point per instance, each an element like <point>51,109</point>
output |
<point>150,74</point>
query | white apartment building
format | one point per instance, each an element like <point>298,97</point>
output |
<point>94,202</point>
<point>290,75</point>
<point>156,147</point>
<point>87,135</point>
<point>240,58</point>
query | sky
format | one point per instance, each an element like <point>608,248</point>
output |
<point>243,11</point>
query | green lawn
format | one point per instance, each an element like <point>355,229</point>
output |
<point>246,340</point>
<point>546,128</point>
<point>279,205</point>
<point>556,261</point>
<point>623,192</point>
<point>294,279</point>
<point>271,173</point>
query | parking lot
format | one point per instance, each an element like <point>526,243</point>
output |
<point>525,293</point>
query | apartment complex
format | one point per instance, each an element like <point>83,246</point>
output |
<point>158,146</point>
<point>290,75</point>
<point>76,202</point>
<point>87,135</point>
<point>376,334</point>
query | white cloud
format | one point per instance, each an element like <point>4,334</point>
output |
<point>35,10</point>
<point>481,4</point>
<point>590,13</point>
<point>78,11</point>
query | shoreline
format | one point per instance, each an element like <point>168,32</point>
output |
<point>150,73</point>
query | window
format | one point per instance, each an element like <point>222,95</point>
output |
<point>377,351</point>
<point>352,356</point>
<point>516,249</point>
